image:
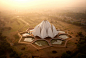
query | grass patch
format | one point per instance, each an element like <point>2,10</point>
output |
<point>16,36</point>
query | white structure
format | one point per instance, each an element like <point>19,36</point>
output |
<point>45,29</point>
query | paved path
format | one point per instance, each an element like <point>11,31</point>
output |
<point>24,22</point>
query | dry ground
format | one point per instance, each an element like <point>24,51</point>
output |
<point>29,50</point>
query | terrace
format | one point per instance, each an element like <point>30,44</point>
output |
<point>59,40</point>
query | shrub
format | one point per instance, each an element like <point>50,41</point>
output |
<point>79,33</point>
<point>80,55</point>
<point>16,36</point>
<point>23,48</point>
<point>81,46</point>
<point>82,42</point>
<point>54,52</point>
<point>2,56</point>
<point>68,52</point>
<point>81,51</point>
<point>71,32</point>
<point>65,55</point>
<point>20,54</point>
<point>14,54</point>
<point>83,38</point>
<point>5,47</point>
<point>76,35</point>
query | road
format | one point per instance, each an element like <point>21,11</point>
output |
<point>24,22</point>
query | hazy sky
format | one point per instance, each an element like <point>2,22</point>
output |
<point>25,4</point>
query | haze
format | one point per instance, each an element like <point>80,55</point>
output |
<point>42,4</point>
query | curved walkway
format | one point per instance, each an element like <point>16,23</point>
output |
<point>50,45</point>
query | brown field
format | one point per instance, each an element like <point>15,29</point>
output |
<point>22,23</point>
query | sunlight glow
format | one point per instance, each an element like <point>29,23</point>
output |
<point>22,1</point>
<point>17,4</point>
<point>41,4</point>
